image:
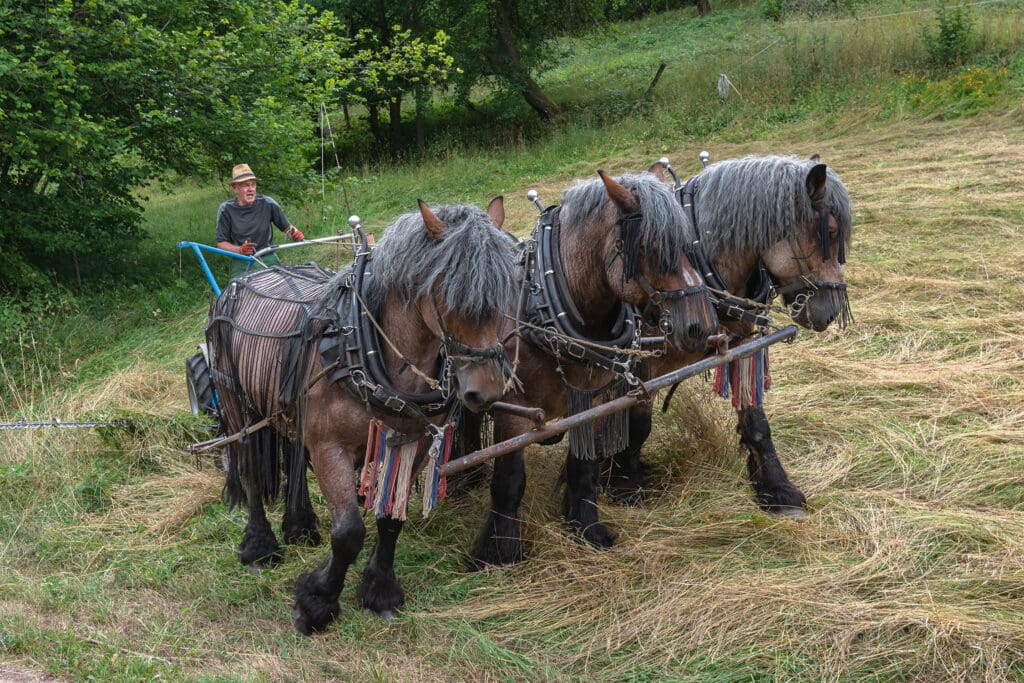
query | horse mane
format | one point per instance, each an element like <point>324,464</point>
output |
<point>665,228</point>
<point>471,269</point>
<point>751,203</point>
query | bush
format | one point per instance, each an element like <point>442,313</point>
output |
<point>948,46</point>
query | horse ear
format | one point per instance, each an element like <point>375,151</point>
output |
<point>622,197</point>
<point>816,182</point>
<point>433,225</point>
<point>496,210</point>
<point>815,158</point>
<point>658,169</point>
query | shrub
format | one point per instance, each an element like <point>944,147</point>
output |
<point>949,44</point>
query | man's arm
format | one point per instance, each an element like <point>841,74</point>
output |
<point>247,248</point>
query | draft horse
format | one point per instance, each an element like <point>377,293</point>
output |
<point>769,226</point>
<point>610,256</point>
<point>397,342</point>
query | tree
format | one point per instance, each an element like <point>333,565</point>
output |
<point>510,42</point>
<point>380,26</point>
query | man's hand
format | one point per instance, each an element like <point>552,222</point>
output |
<point>295,234</point>
<point>248,249</point>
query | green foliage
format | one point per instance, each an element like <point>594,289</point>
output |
<point>968,91</point>
<point>509,43</point>
<point>948,45</point>
<point>772,9</point>
<point>777,10</point>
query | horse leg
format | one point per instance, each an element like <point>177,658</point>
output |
<point>259,546</point>
<point>580,503</point>
<point>380,591</point>
<point>500,540</point>
<point>627,479</point>
<point>316,593</point>
<point>300,523</point>
<point>775,493</point>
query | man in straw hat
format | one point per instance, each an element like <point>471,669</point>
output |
<point>244,223</point>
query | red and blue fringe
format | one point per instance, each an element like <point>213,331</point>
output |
<point>745,379</point>
<point>387,477</point>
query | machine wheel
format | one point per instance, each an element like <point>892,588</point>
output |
<point>201,395</point>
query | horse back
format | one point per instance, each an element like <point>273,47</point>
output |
<point>262,335</point>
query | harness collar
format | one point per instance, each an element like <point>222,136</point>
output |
<point>728,305</point>
<point>550,308</point>
<point>352,355</point>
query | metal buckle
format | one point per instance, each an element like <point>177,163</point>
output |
<point>395,404</point>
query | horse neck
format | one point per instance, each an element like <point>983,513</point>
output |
<point>416,342</point>
<point>584,255</point>
<point>736,270</point>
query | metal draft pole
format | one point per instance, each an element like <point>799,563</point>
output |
<point>622,403</point>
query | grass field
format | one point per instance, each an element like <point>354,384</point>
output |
<point>906,432</point>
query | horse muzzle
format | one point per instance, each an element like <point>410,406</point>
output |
<point>819,305</point>
<point>688,319</point>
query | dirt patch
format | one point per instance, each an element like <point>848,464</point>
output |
<point>10,673</point>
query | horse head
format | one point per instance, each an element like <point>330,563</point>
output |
<point>647,263</point>
<point>808,266</point>
<point>464,304</point>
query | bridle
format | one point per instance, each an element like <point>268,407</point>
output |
<point>752,308</point>
<point>452,350</point>
<point>630,250</point>
<point>803,288</point>
<point>352,352</point>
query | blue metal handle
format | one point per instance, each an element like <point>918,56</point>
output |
<point>198,250</point>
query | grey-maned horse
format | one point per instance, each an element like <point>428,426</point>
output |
<point>436,284</point>
<point>611,242</point>
<point>793,216</point>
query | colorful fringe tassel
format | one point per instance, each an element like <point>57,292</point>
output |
<point>387,477</point>
<point>746,378</point>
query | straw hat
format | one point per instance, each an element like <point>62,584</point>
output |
<point>241,173</point>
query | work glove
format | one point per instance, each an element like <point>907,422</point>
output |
<point>295,234</point>
<point>248,249</point>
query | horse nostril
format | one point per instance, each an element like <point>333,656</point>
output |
<point>476,401</point>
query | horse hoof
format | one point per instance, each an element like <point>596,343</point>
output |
<point>598,536</point>
<point>387,615</point>
<point>790,511</point>
<point>312,611</point>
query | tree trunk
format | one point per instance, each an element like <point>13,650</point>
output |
<point>373,116</point>
<point>703,7</point>
<point>421,132</point>
<point>395,124</point>
<point>534,96</point>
